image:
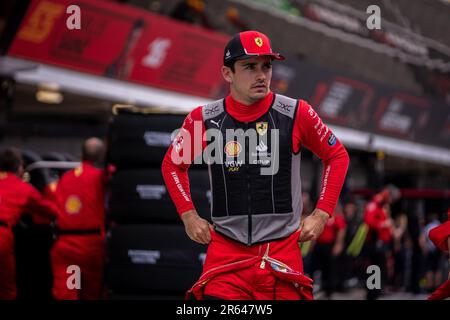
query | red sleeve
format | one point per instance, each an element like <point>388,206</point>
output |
<point>442,292</point>
<point>439,236</point>
<point>372,216</point>
<point>380,198</point>
<point>186,146</point>
<point>311,132</point>
<point>37,204</point>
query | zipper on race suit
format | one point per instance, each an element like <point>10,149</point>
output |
<point>265,256</point>
<point>247,178</point>
<point>280,264</point>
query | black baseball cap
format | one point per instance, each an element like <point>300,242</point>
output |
<point>248,44</point>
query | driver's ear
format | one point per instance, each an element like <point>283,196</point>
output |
<point>227,74</point>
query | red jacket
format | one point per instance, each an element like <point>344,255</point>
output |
<point>17,197</point>
<point>439,236</point>
<point>225,255</point>
<point>375,215</point>
<point>80,197</point>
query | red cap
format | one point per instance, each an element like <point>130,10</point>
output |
<point>248,44</point>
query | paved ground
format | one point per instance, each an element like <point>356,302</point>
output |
<point>359,294</point>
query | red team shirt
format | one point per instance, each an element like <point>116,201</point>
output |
<point>309,131</point>
<point>375,215</point>
<point>17,197</point>
<point>80,197</point>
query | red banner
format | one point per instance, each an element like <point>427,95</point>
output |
<point>125,43</point>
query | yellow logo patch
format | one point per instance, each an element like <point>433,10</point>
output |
<point>258,41</point>
<point>73,205</point>
<point>233,148</point>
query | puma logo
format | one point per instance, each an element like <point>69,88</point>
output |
<point>261,147</point>
<point>216,123</point>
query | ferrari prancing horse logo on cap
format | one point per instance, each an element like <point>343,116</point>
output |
<point>258,41</point>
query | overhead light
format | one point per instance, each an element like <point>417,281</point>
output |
<point>49,93</point>
<point>122,106</point>
<point>51,97</point>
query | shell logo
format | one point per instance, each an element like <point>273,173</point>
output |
<point>73,205</point>
<point>233,148</point>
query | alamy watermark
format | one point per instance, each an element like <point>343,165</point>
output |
<point>73,22</point>
<point>373,282</point>
<point>74,280</point>
<point>234,152</point>
<point>373,22</point>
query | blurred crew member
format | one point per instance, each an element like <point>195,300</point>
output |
<point>80,227</point>
<point>433,274</point>
<point>327,250</point>
<point>352,222</point>
<point>440,236</point>
<point>256,195</point>
<point>378,219</point>
<point>16,197</point>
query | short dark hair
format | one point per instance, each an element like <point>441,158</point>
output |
<point>10,160</point>
<point>230,64</point>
